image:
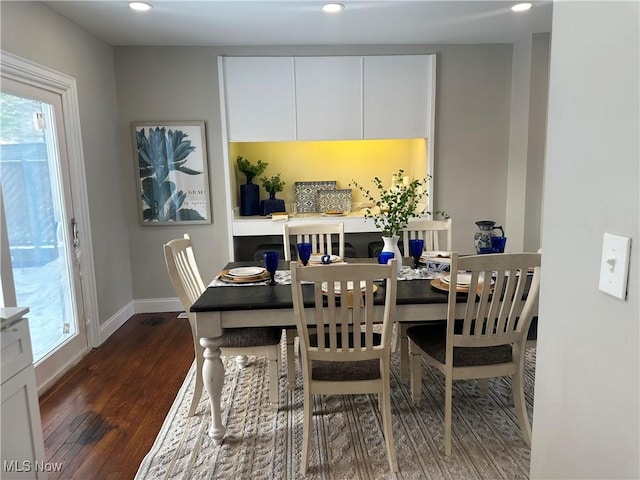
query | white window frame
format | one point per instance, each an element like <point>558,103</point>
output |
<point>25,71</point>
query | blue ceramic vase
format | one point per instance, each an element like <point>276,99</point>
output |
<point>249,199</point>
<point>272,204</point>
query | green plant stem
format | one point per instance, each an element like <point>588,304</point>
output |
<point>396,204</point>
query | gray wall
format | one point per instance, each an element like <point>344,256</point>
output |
<point>537,143</point>
<point>170,84</point>
<point>586,420</point>
<point>472,136</point>
<point>527,136</point>
<point>587,393</point>
<point>36,33</point>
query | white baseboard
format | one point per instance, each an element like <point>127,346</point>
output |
<point>109,327</point>
<point>157,305</point>
<point>150,305</point>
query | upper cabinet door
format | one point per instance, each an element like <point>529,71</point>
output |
<point>329,98</point>
<point>260,98</point>
<point>398,96</point>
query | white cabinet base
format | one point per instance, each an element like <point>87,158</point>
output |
<point>22,443</point>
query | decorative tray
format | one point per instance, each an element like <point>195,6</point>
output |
<point>307,194</point>
<point>334,200</point>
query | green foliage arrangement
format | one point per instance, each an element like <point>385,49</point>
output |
<point>249,169</point>
<point>395,204</point>
<point>273,184</point>
<point>162,152</point>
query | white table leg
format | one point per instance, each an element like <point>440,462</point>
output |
<point>213,378</point>
<point>241,361</point>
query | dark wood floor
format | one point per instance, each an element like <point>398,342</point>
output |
<point>102,417</point>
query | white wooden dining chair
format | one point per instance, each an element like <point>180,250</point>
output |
<point>431,231</point>
<point>322,237</point>
<point>487,338</point>
<point>188,284</point>
<point>341,352</point>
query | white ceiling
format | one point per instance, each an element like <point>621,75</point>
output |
<point>271,22</point>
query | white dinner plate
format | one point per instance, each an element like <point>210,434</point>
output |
<point>463,279</point>
<point>317,258</point>
<point>363,285</point>
<point>436,254</point>
<point>245,271</point>
<point>330,214</point>
<point>437,260</point>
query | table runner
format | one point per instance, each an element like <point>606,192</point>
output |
<point>283,277</point>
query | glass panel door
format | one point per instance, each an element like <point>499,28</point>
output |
<point>37,202</point>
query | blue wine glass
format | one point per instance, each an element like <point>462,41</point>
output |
<point>304,252</point>
<point>271,264</point>
<point>416,246</point>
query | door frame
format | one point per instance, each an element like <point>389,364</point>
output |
<point>30,73</point>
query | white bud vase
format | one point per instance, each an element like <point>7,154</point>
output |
<point>391,245</point>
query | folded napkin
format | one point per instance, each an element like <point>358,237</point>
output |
<point>281,217</point>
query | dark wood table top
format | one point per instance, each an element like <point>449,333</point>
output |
<point>263,297</point>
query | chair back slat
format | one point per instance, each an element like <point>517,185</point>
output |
<point>319,320</point>
<point>513,301</point>
<point>497,311</point>
<point>183,271</point>
<point>484,306</point>
<point>428,230</point>
<point>321,236</point>
<point>343,322</point>
<point>503,295</point>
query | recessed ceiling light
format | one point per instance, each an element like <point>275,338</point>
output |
<point>332,7</point>
<point>140,6</point>
<point>522,7</point>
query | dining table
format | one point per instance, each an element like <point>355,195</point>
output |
<point>235,306</point>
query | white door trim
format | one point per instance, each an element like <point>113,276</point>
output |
<point>25,71</point>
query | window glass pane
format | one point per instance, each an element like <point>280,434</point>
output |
<point>34,213</point>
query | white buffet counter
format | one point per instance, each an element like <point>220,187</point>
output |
<point>354,222</point>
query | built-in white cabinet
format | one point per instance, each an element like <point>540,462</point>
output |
<point>329,98</point>
<point>23,454</point>
<point>398,96</point>
<point>259,97</point>
<point>309,98</point>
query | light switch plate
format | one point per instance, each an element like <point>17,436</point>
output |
<point>614,266</point>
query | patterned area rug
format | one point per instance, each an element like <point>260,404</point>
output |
<point>347,440</point>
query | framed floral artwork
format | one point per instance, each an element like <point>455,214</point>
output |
<point>172,178</point>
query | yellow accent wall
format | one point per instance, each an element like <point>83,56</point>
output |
<point>343,161</point>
